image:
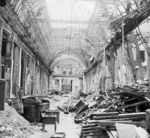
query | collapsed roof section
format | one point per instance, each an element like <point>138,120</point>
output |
<point>124,25</point>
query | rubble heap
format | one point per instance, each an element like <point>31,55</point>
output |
<point>114,112</point>
<point>14,125</point>
<point>117,113</point>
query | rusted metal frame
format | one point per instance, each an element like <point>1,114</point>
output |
<point>92,18</point>
<point>123,7</point>
<point>18,6</point>
<point>9,13</point>
<point>108,22</point>
<point>37,26</point>
<point>45,43</point>
<point>33,23</point>
<point>108,47</point>
<point>142,39</point>
<point>21,29</point>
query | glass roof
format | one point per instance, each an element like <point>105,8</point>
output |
<point>70,13</point>
<point>77,27</point>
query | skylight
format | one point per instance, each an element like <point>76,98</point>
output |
<point>70,10</point>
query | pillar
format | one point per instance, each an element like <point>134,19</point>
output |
<point>20,52</point>
<point>149,70</point>
<point>84,84</point>
<point>12,64</point>
<point>8,66</point>
<point>1,38</point>
<point>60,84</point>
<point>113,74</point>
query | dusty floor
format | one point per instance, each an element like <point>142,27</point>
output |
<point>66,123</point>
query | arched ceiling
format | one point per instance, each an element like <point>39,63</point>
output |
<point>65,57</point>
<point>74,54</point>
<point>68,64</point>
<point>76,27</point>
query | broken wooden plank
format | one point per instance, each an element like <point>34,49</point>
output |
<point>92,131</point>
<point>135,104</point>
<point>131,105</point>
<point>141,118</point>
<point>104,114</point>
<point>89,125</point>
<point>97,121</point>
<point>108,123</point>
<point>130,115</point>
<point>109,134</point>
<point>114,133</point>
<point>91,128</point>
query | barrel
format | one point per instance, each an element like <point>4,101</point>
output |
<point>18,105</point>
<point>37,112</point>
<point>2,94</point>
<point>29,113</point>
<point>28,100</point>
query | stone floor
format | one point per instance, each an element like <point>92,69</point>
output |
<point>66,125</point>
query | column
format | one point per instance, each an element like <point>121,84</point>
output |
<point>12,65</point>
<point>20,52</point>
<point>149,70</point>
<point>84,84</point>
<point>8,66</point>
<point>1,38</point>
<point>60,85</point>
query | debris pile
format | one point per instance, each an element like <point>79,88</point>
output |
<point>14,125</point>
<point>117,112</point>
<point>114,129</point>
<point>104,113</point>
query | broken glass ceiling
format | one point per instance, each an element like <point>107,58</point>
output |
<point>76,28</point>
<point>70,13</point>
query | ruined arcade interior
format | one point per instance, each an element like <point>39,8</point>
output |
<point>74,68</point>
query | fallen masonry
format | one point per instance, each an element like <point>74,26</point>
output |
<point>13,125</point>
<point>112,114</point>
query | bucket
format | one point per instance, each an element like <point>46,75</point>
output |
<point>18,105</point>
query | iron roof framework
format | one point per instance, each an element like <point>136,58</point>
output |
<point>82,33</point>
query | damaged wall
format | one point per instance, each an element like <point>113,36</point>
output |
<point>19,66</point>
<point>99,78</point>
<point>129,65</point>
